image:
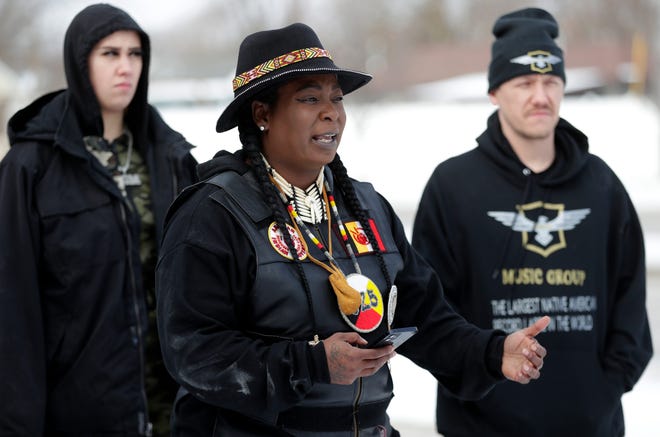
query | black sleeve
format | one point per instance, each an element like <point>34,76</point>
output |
<point>466,360</point>
<point>203,281</point>
<point>22,349</point>
<point>629,347</point>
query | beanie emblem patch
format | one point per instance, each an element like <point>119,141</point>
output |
<point>540,61</point>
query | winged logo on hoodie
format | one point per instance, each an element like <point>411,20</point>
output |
<point>544,227</point>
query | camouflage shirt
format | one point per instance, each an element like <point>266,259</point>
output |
<point>130,172</point>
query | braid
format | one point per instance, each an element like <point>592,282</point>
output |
<point>348,191</point>
<point>250,139</point>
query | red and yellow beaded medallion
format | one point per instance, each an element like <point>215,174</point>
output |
<point>368,317</point>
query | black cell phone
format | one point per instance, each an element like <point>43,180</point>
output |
<point>396,337</point>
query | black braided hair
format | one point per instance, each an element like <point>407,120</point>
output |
<point>348,191</point>
<point>250,138</point>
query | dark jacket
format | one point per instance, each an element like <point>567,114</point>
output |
<point>72,309</point>
<point>575,253</point>
<point>235,319</point>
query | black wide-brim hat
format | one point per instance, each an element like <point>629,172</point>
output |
<point>271,57</point>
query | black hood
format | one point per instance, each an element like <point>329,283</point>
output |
<point>91,25</point>
<point>571,147</point>
<point>223,161</point>
<point>39,120</point>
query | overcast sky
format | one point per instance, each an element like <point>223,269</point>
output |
<point>152,15</point>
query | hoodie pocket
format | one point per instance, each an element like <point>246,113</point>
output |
<point>590,398</point>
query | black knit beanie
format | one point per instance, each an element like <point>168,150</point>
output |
<point>524,44</point>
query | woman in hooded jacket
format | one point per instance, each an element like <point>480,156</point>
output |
<point>83,191</point>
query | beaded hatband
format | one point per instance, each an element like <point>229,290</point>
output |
<point>278,62</point>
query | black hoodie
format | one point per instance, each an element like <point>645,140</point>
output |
<point>73,317</point>
<point>575,253</point>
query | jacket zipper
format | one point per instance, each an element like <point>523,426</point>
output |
<point>358,395</point>
<point>175,182</point>
<point>356,429</point>
<point>145,425</point>
<point>172,158</point>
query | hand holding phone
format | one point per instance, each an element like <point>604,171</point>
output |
<point>396,337</point>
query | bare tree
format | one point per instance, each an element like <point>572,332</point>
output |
<point>213,36</point>
<point>18,46</point>
<point>19,43</point>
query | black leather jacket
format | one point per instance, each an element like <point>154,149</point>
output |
<point>235,320</point>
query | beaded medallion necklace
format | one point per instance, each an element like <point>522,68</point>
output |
<point>349,299</point>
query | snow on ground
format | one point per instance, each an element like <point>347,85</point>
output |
<point>396,146</point>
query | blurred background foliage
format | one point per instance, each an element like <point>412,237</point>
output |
<point>403,44</point>
<point>377,36</point>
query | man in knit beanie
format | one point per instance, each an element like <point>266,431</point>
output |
<point>530,223</point>
<point>525,44</point>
